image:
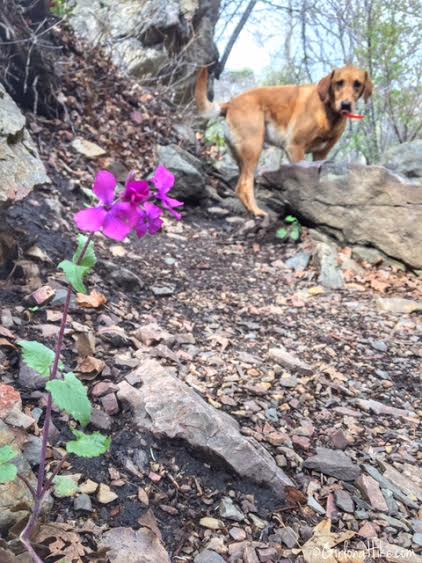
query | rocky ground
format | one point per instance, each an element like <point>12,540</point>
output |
<point>257,414</point>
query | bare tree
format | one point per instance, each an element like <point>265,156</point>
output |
<point>233,38</point>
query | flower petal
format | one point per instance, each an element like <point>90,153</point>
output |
<point>136,192</point>
<point>90,219</point>
<point>163,179</point>
<point>120,221</point>
<point>153,211</point>
<point>170,203</point>
<point>141,227</point>
<point>104,186</point>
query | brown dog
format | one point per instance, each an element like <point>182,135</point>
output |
<point>300,119</point>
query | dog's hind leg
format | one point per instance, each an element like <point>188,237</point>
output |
<point>246,139</point>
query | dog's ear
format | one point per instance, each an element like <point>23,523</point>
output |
<point>324,86</point>
<point>368,87</point>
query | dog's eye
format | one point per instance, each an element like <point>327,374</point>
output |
<point>357,84</point>
<point>339,84</point>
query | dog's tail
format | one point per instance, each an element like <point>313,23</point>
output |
<point>206,108</point>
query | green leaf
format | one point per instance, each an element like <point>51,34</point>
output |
<point>90,195</point>
<point>7,453</point>
<point>88,445</point>
<point>64,486</point>
<point>8,471</point>
<point>290,219</point>
<point>89,259</point>
<point>295,233</point>
<point>71,396</point>
<point>74,274</point>
<point>281,233</point>
<point>37,356</point>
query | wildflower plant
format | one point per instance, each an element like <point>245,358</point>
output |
<point>138,208</point>
<point>291,231</point>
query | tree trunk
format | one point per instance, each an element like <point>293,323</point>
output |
<point>234,36</point>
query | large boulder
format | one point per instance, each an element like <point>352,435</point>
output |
<point>152,39</point>
<point>357,204</point>
<point>20,167</point>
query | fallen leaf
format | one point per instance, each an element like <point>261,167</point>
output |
<point>379,285</point>
<point>294,496</point>
<point>333,373</point>
<point>323,540</point>
<point>90,365</point>
<point>149,521</point>
<point>6,333</point>
<point>7,343</point>
<point>62,540</point>
<point>118,251</point>
<point>95,299</point>
<point>36,252</point>
<point>316,290</point>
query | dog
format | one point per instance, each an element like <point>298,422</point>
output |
<point>300,119</point>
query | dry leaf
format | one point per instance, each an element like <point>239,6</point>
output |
<point>90,365</point>
<point>294,496</point>
<point>357,286</point>
<point>95,299</point>
<point>118,251</point>
<point>316,290</point>
<point>219,339</point>
<point>320,546</point>
<point>6,333</point>
<point>333,373</point>
<point>36,252</point>
<point>7,343</point>
<point>62,540</point>
<point>149,521</point>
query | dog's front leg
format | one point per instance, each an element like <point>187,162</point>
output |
<point>323,153</point>
<point>296,153</point>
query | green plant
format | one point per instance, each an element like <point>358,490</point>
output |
<point>117,215</point>
<point>62,8</point>
<point>214,135</point>
<point>291,231</point>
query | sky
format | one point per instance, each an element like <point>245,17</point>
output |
<point>247,53</point>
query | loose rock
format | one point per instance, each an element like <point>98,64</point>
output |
<point>333,462</point>
<point>210,430</point>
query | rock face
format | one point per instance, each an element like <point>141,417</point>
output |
<point>20,168</point>
<point>405,159</point>
<point>357,204</point>
<point>152,39</point>
<point>181,413</point>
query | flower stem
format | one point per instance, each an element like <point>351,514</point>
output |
<point>43,486</point>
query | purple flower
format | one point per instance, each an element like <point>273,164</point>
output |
<point>149,220</point>
<point>116,221</point>
<point>136,191</point>
<point>163,180</point>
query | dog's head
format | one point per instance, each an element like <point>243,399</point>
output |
<point>343,87</point>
